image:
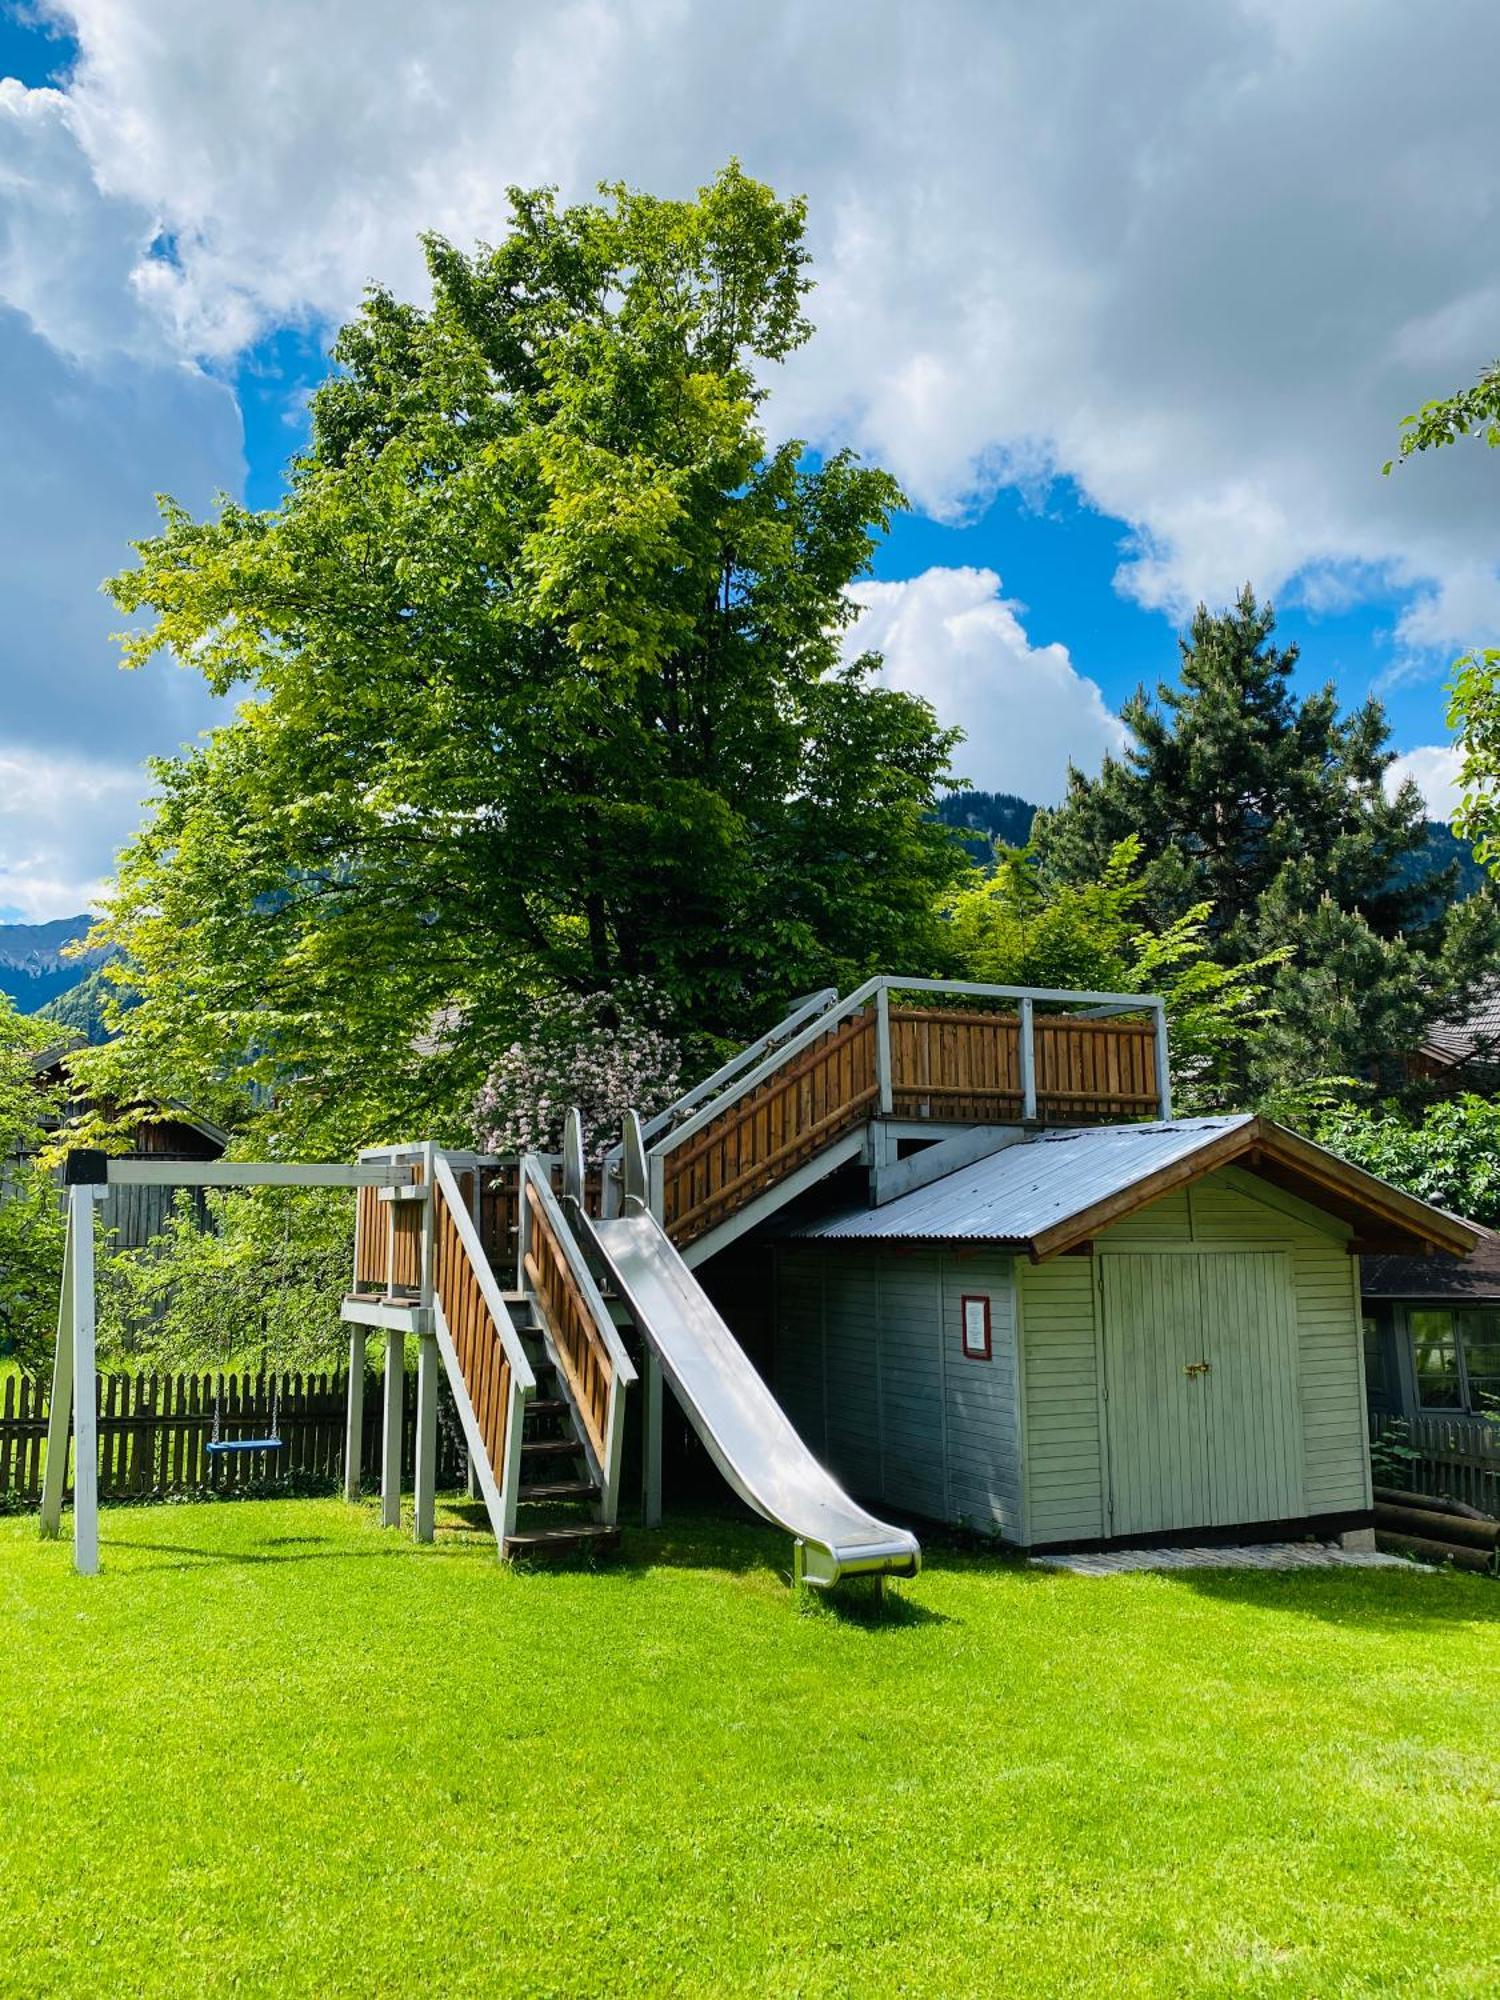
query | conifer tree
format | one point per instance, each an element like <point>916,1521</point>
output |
<point>1270,806</point>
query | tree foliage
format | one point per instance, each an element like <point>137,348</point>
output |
<point>600,1053</point>
<point>542,658</point>
<point>1474,695</point>
<point>1018,926</point>
<point>31,1217</point>
<point>252,1281</point>
<point>1449,1154</point>
<point>1270,808</point>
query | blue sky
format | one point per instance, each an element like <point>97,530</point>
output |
<point>1133,313</point>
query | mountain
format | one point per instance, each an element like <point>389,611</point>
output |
<point>987,817</point>
<point>32,967</point>
<point>82,1006</point>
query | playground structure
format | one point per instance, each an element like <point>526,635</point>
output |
<point>521,1292</point>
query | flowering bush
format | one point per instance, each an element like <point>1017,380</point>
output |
<point>599,1051</point>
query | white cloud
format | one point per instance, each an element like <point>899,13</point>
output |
<point>1435,769</point>
<point>1026,711</point>
<point>1199,259</point>
<point>58,816</point>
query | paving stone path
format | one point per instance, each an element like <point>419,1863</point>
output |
<point>1255,1555</point>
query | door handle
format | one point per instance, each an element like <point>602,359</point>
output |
<point>1196,1368</point>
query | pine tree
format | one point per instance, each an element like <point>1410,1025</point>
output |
<point>1233,778</point>
<point>1271,807</point>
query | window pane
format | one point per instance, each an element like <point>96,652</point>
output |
<point>1434,1351</point>
<point>1377,1381</point>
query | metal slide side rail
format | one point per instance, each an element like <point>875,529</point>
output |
<point>747,1433</point>
<point>582,1340</point>
<point>878,992</point>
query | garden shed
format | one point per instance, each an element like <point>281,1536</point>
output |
<point>1093,1335</point>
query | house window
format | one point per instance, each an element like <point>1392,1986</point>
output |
<point>1456,1356</point>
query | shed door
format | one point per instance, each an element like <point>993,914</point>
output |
<point>1158,1418</point>
<point>1204,1412</point>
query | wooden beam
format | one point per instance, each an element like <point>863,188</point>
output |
<point>251,1173</point>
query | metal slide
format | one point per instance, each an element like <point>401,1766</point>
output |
<point>745,1429</point>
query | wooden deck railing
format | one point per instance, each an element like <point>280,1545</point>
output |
<point>388,1240</point>
<point>583,1336</point>
<point>813,1098</point>
<point>465,1295</point>
<point>948,1063</point>
<point>967,1067</point>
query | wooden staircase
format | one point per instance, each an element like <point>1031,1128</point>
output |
<point>538,1372</point>
<point>559,1498</point>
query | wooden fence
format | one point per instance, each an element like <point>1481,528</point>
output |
<point>154,1433</point>
<point>1458,1456</point>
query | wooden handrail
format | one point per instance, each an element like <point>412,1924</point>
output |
<point>495,1376</point>
<point>590,1352</point>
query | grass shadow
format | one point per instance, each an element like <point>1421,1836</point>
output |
<point>1417,1599</point>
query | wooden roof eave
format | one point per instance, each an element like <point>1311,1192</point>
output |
<point>1324,1179</point>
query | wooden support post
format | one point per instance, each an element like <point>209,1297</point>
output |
<point>884,1079</point>
<point>1028,1061</point>
<point>60,1410</point>
<point>651,1442</point>
<point>426,1473</point>
<point>390,1442</point>
<point>354,1427</point>
<point>475,1490</point>
<point>85,1390</point>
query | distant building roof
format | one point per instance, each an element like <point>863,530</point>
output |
<point>1051,1192</point>
<point>1475,1038</point>
<point>1475,1277</point>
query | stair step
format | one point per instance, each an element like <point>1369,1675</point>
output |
<point>543,1541</point>
<point>557,1489</point>
<point>550,1448</point>
<point>547,1406</point>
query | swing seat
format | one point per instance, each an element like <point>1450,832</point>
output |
<point>245,1444</point>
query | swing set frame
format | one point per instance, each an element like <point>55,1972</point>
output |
<point>87,1178</point>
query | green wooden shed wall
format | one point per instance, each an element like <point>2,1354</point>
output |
<point>1087,1421</point>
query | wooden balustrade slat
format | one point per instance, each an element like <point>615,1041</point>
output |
<point>579,1341</point>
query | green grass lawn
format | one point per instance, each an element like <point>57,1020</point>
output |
<point>274,1749</point>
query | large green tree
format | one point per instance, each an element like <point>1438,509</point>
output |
<point>1474,707</point>
<point>543,660</point>
<point>31,1217</point>
<point>1270,807</point>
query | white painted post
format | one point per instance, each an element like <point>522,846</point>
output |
<point>426,1479</point>
<point>1028,1060</point>
<point>85,1425</point>
<point>354,1427</point>
<point>883,1078</point>
<point>390,1442</point>
<point>60,1409</point>
<point>1163,1065</point>
<point>523,1229</point>
<point>656,1187</point>
<point>510,1486</point>
<point>651,1442</point>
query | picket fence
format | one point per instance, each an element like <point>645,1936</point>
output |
<point>1458,1456</point>
<point>154,1433</point>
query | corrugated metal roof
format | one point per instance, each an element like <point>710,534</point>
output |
<point>1014,1195</point>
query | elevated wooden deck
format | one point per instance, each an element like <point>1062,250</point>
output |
<point>935,1054</point>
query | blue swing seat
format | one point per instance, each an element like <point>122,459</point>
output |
<point>246,1444</point>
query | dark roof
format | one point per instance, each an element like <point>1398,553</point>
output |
<point>1476,1276</point>
<point>1477,1035</point>
<point>1052,1192</point>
